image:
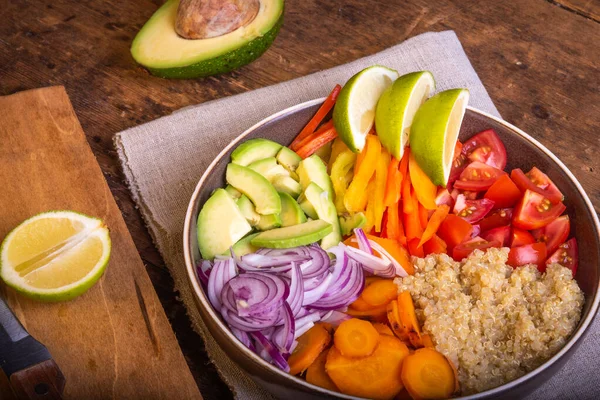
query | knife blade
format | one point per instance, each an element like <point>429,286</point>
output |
<point>27,363</point>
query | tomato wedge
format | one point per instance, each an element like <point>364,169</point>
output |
<point>496,218</point>
<point>472,210</point>
<point>486,147</point>
<point>464,249</point>
<point>520,237</point>
<point>478,177</point>
<point>504,193</point>
<point>555,233</point>
<point>537,181</point>
<point>535,211</point>
<point>454,230</point>
<point>500,235</point>
<point>567,255</point>
<point>459,162</point>
<point>534,253</point>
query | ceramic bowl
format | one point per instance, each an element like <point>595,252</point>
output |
<point>523,152</point>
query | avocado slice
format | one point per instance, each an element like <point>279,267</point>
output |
<point>248,211</point>
<point>220,225</point>
<point>233,192</point>
<point>289,159</point>
<point>267,222</point>
<point>291,213</point>
<point>293,236</point>
<point>287,185</point>
<point>326,211</point>
<point>313,169</point>
<point>307,207</point>
<point>253,150</point>
<point>268,168</point>
<point>350,222</point>
<point>158,47</point>
<point>256,187</point>
<point>243,246</point>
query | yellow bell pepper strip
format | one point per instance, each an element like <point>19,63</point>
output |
<point>370,212</point>
<point>380,183</point>
<point>339,177</point>
<point>314,142</point>
<point>317,118</point>
<point>438,216</point>
<point>337,147</point>
<point>425,190</point>
<point>362,175</point>
<point>393,185</point>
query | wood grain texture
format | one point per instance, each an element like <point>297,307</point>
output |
<point>539,61</point>
<point>587,8</point>
<point>114,342</point>
<point>43,381</point>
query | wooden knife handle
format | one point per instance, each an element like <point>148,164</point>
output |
<point>41,381</point>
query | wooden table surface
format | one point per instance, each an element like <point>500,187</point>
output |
<point>539,60</point>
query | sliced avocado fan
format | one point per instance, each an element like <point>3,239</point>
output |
<point>164,53</point>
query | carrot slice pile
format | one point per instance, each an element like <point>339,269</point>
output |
<point>427,374</point>
<point>408,318</point>
<point>310,345</point>
<point>317,375</point>
<point>380,292</point>
<point>383,329</point>
<point>356,338</point>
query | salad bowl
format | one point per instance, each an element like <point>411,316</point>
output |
<point>523,152</point>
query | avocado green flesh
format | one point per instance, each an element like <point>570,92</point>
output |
<point>347,224</point>
<point>291,213</point>
<point>293,236</point>
<point>220,225</point>
<point>233,192</point>
<point>254,150</point>
<point>243,246</point>
<point>159,48</point>
<point>289,159</point>
<point>312,169</point>
<point>326,211</point>
<point>307,207</point>
<point>267,222</point>
<point>287,185</point>
<point>256,187</point>
<point>247,209</point>
<point>269,168</point>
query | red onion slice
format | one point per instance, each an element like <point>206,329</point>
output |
<point>243,337</point>
<point>296,295</point>
<point>250,324</point>
<point>387,256</point>
<point>284,335</point>
<point>363,242</point>
<point>319,262</point>
<point>223,271</point>
<point>203,270</point>
<point>344,291</point>
<point>302,330</point>
<point>371,263</point>
<point>276,357</point>
<point>335,317</point>
<point>310,296</point>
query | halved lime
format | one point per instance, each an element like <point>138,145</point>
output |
<point>397,107</point>
<point>55,256</point>
<point>354,111</point>
<point>435,130</point>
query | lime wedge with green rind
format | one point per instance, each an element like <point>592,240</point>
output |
<point>397,107</point>
<point>354,111</point>
<point>434,132</point>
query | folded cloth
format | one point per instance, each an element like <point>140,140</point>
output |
<point>164,159</point>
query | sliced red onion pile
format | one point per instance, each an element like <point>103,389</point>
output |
<point>271,297</point>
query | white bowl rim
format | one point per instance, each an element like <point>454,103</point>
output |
<point>200,295</point>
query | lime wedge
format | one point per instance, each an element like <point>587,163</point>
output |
<point>434,132</point>
<point>354,111</point>
<point>55,256</point>
<point>397,107</point>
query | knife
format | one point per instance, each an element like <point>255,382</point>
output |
<point>27,363</point>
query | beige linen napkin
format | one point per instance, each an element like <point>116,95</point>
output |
<point>164,159</point>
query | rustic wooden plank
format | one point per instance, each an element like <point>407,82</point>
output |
<point>538,61</point>
<point>114,341</point>
<point>587,8</point>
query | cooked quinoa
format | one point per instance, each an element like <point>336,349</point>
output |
<point>495,323</point>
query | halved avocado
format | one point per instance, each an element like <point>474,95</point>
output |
<point>159,48</point>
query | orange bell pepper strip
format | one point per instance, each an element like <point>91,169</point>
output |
<point>412,222</point>
<point>317,118</point>
<point>438,216</point>
<point>407,204</point>
<point>393,185</point>
<point>423,216</point>
<point>392,227</point>
<point>435,245</point>
<point>370,211</point>
<point>380,182</point>
<point>425,190</point>
<point>363,174</point>
<point>314,142</point>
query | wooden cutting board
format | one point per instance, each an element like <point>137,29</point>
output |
<point>114,342</point>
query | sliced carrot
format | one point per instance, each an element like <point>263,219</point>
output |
<point>423,216</point>
<point>427,340</point>
<point>435,245</point>
<point>425,190</point>
<point>318,117</point>
<point>397,251</point>
<point>403,395</point>
<point>414,249</point>
<point>377,314</point>
<point>380,292</point>
<point>366,169</point>
<point>383,329</point>
<point>377,376</point>
<point>438,216</point>
<point>356,338</point>
<point>314,142</point>
<point>310,345</point>
<point>380,181</point>
<point>408,318</point>
<point>393,184</point>
<point>427,374</point>
<point>361,305</point>
<point>393,316</point>
<point>317,375</point>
